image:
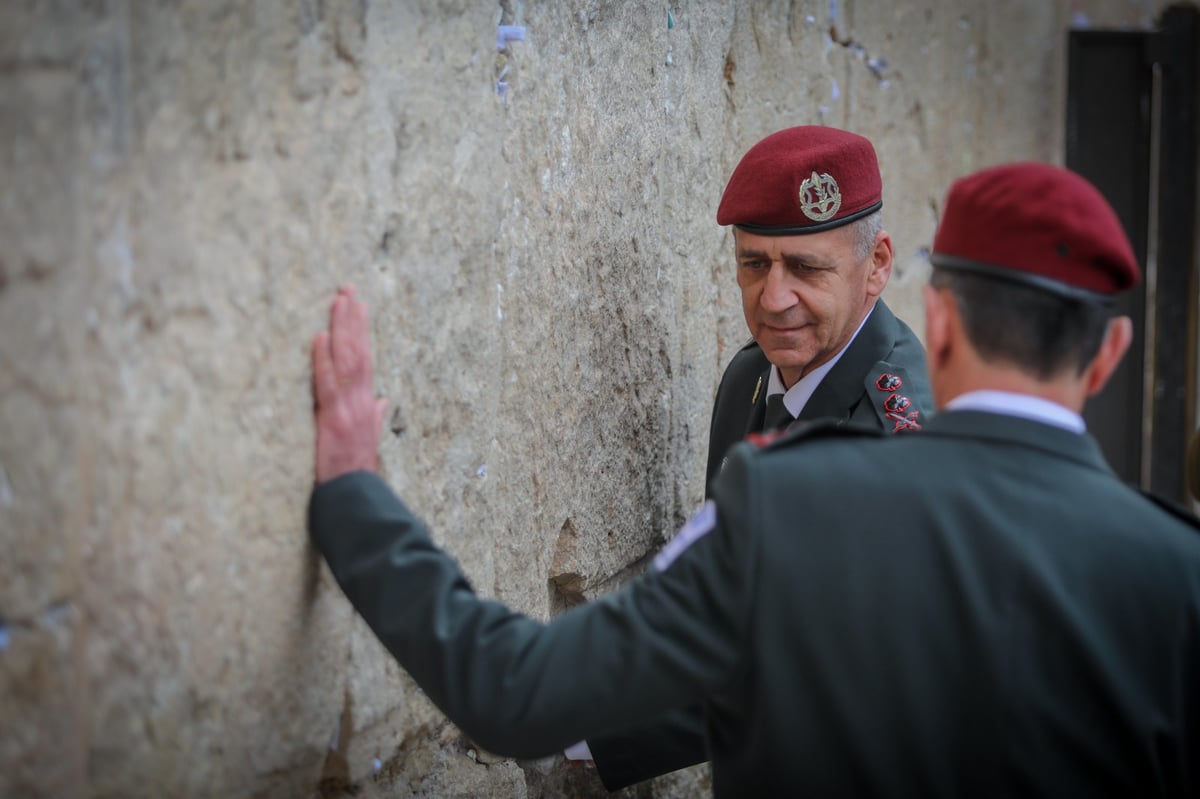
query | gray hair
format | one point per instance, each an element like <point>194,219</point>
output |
<point>865,231</point>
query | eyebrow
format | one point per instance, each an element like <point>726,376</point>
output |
<point>789,258</point>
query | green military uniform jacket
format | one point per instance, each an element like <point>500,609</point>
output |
<point>880,382</point>
<point>850,393</point>
<point>1008,619</point>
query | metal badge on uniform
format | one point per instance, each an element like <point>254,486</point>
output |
<point>699,525</point>
<point>893,406</point>
<point>896,406</point>
<point>820,197</point>
<point>888,382</point>
<point>908,422</point>
<point>757,388</point>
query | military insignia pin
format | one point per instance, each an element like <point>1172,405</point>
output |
<point>820,197</point>
<point>896,408</point>
<point>905,421</point>
<point>888,382</point>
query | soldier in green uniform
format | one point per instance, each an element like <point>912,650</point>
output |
<point>805,205</point>
<point>812,261</point>
<point>1009,619</point>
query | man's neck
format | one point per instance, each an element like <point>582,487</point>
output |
<point>1065,391</point>
<point>791,378</point>
<point>1025,406</point>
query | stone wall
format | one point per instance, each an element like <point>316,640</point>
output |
<point>182,186</point>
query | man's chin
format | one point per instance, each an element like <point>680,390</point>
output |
<point>787,359</point>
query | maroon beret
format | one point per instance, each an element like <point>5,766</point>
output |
<point>1037,224</point>
<point>803,180</point>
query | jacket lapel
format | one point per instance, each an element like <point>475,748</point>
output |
<point>754,421</point>
<point>841,389</point>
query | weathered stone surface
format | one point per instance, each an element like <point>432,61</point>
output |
<point>183,186</point>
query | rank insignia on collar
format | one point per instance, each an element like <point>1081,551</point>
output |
<point>896,407</point>
<point>905,421</point>
<point>888,382</point>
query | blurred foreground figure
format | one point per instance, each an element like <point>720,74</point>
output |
<point>805,206</point>
<point>1007,620</point>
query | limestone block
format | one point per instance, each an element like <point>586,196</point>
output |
<point>182,187</point>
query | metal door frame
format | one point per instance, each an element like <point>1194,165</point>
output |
<point>1132,107</point>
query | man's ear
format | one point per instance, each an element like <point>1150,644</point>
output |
<point>937,324</point>
<point>1117,338</point>
<point>880,264</point>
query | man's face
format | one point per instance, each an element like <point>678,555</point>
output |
<point>804,296</point>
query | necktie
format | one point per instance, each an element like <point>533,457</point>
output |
<point>778,416</point>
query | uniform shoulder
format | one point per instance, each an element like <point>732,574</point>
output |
<point>809,432</point>
<point>1175,510</point>
<point>776,458</point>
<point>900,397</point>
<point>749,357</point>
<point>746,368</point>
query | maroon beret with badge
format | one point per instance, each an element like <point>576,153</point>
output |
<point>803,180</point>
<point>1036,224</point>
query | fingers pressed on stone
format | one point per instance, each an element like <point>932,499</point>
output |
<point>324,379</point>
<point>351,341</point>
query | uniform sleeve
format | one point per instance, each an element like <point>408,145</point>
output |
<point>673,741</point>
<point>517,687</point>
<point>676,739</point>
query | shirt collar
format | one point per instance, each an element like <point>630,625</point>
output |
<point>796,397</point>
<point>1023,405</point>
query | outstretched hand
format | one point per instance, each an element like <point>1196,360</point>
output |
<point>348,415</point>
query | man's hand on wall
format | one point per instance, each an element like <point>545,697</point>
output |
<point>348,415</point>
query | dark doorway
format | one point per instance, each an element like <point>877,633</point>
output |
<point>1132,103</point>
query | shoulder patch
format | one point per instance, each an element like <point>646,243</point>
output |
<point>699,525</point>
<point>885,385</point>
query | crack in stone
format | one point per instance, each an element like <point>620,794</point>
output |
<point>876,65</point>
<point>6,492</point>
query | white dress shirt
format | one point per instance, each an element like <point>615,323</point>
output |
<point>796,397</point>
<point>1022,405</point>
